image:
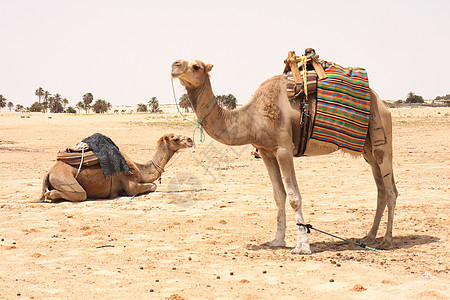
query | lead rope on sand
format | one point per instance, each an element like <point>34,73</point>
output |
<point>360,244</point>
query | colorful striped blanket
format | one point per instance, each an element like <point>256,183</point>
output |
<point>343,107</point>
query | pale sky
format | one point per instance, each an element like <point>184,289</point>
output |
<point>121,51</point>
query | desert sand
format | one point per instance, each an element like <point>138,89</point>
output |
<point>201,234</point>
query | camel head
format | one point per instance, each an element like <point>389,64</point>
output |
<point>175,142</point>
<point>192,73</point>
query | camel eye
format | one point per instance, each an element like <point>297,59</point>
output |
<point>196,68</point>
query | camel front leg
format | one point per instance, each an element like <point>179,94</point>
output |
<point>271,163</point>
<point>286,162</point>
<point>133,188</point>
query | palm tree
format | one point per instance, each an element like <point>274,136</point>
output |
<point>413,98</point>
<point>101,106</point>
<point>80,106</point>
<point>227,101</point>
<point>87,100</point>
<point>141,107</point>
<point>19,107</point>
<point>65,102</point>
<point>50,103</point>
<point>184,102</point>
<point>56,104</point>
<point>36,107</point>
<point>153,103</point>
<point>46,95</point>
<point>45,105</point>
<point>39,92</point>
<point>10,105</point>
<point>2,101</point>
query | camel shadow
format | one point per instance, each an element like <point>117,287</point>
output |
<point>58,201</point>
<point>400,242</point>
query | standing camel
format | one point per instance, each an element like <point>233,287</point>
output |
<point>63,182</point>
<point>271,123</point>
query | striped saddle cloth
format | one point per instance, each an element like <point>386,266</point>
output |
<point>343,107</point>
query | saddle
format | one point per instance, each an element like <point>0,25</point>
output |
<point>80,154</point>
<point>302,87</point>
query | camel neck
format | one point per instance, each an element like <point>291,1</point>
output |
<point>151,170</point>
<point>226,126</point>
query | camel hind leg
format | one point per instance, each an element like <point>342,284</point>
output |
<point>65,186</point>
<point>378,153</point>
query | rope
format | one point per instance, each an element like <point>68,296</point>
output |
<point>81,162</point>
<point>198,124</point>
<point>304,61</point>
<point>176,103</point>
<point>360,244</point>
<point>129,199</point>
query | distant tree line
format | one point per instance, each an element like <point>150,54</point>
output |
<point>53,103</point>
<point>57,104</point>
<point>226,101</point>
<point>411,98</point>
<point>446,97</point>
<point>153,106</point>
<point>3,103</point>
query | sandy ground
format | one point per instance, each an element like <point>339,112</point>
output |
<point>200,235</point>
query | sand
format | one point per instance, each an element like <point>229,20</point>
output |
<point>200,235</point>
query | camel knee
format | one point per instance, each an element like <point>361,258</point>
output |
<point>378,154</point>
<point>296,204</point>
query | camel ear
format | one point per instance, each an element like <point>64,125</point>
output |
<point>209,68</point>
<point>169,136</point>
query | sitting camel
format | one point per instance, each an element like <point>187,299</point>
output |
<point>63,182</point>
<point>271,123</point>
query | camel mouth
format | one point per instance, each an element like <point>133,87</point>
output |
<point>176,75</point>
<point>189,142</point>
<point>178,68</point>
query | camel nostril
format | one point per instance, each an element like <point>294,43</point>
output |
<point>177,63</point>
<point>189,139</point>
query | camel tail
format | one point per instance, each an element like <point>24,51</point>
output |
<point>45,184</point>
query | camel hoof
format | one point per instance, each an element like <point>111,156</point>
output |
<point>385,245</point>
<point>47,197</point>
<point>368,239</point>
<point>275,243</point>
<point>304,249</point>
